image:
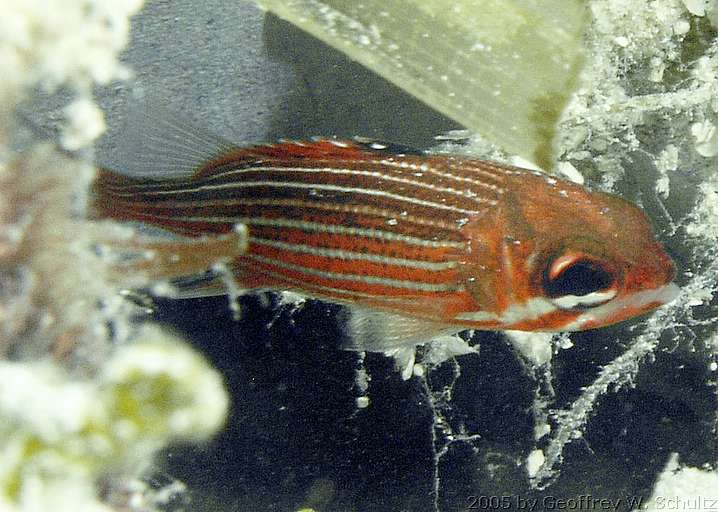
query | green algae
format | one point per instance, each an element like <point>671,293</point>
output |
<point>486,64</point>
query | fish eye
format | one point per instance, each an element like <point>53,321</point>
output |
<point>573,281</point>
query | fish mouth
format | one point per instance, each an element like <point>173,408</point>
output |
<point>624,308</point>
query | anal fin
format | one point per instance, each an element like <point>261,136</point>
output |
<point>382,331</point>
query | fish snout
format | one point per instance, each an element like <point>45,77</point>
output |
<point>655,269</point>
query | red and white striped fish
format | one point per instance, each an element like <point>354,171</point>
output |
<point>415,245</point>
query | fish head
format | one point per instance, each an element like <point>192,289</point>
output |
<point>568,258</point>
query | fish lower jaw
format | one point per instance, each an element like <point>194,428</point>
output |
<point>542,314</point>
<point>624,308</point>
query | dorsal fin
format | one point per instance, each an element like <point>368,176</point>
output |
<point>329,148</point>
<point>321,148</point>
<point>383,146</point>
<point>318,148</point>
<point>158,144</point>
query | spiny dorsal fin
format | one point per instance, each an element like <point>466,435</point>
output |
<point>160,145</point>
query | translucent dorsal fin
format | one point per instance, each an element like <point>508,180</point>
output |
<point>381,331</point>
<point>159,144</point>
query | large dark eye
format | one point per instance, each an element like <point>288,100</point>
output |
<point>574,280</point>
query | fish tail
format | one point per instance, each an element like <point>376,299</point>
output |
<point>110,197</point>
<point>123,197</point>
<point>100,205</point>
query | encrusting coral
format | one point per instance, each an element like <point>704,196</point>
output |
<point>85,398</point>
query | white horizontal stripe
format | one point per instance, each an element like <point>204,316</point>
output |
<point>306,186</point>
<point>334,229</point>
<point>529,310</point>
<point>298,203</point>
<point>375,174</point>
<point>485,168</point>
<point>351,255</point>
<point>382,281</point>
<point>336,295</point>
<point>590,299</point>
<point>416,167</point>
<point>515,313</point>
<point>424,167</point>
<point>317,227</point>
<point>325,292</point>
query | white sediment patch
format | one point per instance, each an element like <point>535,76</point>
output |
<point>57,430</point>
<point>682,487</point>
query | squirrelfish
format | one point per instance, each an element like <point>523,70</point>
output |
<point>415,245</point>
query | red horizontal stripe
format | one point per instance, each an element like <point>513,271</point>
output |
<point>354,266</point>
